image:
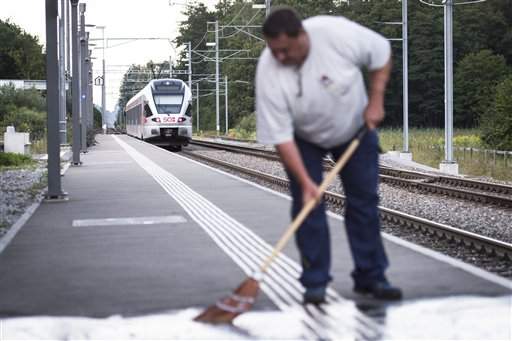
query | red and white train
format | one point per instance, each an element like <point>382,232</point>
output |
<point>161,113</point>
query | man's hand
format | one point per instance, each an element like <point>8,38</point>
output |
<point>292,160</point>
<point>310,192</point>
<point>373,115</point>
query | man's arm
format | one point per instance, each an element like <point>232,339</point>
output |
<point>292,160</point>
<point>374,113</point>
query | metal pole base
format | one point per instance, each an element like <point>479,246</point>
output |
<point>406,156</point>
<point>56,197</point>
<point>449,167</point>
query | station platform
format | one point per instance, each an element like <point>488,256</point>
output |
<point>149,238</point>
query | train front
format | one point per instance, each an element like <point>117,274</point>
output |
<point>169,113</point>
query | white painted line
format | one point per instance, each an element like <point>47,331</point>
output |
<point>427,252</point>
<point>11,233</point>
<point>172,219</point>
<point>241,244</point>
<point>368,324</point>
<point>107,163</point>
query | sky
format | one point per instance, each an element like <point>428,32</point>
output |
<point>123,19</point>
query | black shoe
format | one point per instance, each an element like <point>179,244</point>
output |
<point>314,295</point>
<point>380,290</point>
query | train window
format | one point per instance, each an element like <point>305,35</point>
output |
<point>168,104</point>
<point>189,110</point>
<point>147,111</point>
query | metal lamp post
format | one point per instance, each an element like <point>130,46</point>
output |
<point>52,80</point>
<point>76,84</point>
<point>84,51</point>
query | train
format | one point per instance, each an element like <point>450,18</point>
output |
<point>161,113</point>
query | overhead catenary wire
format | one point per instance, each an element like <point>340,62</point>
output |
<point>242,28</point>
<point>431,4</point>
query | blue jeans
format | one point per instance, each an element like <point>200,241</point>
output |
<point>360,182</point>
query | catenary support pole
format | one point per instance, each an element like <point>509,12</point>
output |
<point>448,8</point>
<point>197,106</point>
<point>226,103</point>
<point>104,85</point>
<point>449,164</point>
<point>75,83</point>
<point>268,3</point>
<point>405,77</point>
<point>217,100</point>
<point>190,65</point>
<point>68,37</point>
<point>90,106</point>
<point>52,81</point>
<point>83,80</point>
<point>62,75</point>
<point>170,66</point>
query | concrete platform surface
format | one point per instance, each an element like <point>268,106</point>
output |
<point>149,238</point>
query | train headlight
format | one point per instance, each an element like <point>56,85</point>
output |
<point>156,119</point>
<point>181,119</point>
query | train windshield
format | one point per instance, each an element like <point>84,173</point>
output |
<point>168,104</point>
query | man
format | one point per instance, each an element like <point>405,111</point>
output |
<point>310,100</point>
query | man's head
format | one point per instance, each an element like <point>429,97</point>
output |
<point>286,37</point>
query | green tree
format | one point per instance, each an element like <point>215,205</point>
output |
<point>496,123</point>
<point>134,79</point>
<point>482,26</point>
<point>475,81</point>
<point>21,54</point>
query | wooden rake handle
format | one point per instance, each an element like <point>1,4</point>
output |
<point>304,212</point>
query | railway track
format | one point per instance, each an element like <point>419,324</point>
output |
<point>489,246</point>
<point>472,190</point>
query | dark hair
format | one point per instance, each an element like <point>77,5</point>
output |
<point>282,19</point>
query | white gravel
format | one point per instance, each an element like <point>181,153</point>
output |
<point>488,220</point>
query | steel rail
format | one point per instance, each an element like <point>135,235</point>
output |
<point>480,243</point>
<point>500,195</point>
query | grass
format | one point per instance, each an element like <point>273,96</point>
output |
<point>13,160</point>
<point>427,147</point>
<point>39,146</point>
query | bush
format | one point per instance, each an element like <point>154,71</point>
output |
<point>25,120</point>
<point>14,160</point>
<point>468,141</point>
<point>496,124</point>
<point>23,109</point>
<point>9,96</point>
<point>245,129</point>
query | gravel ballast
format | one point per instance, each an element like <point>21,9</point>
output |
<point>496,221</point>
<point>488,220</point>
<point>19,188</point>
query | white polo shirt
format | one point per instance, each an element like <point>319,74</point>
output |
<point>323,100</point>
